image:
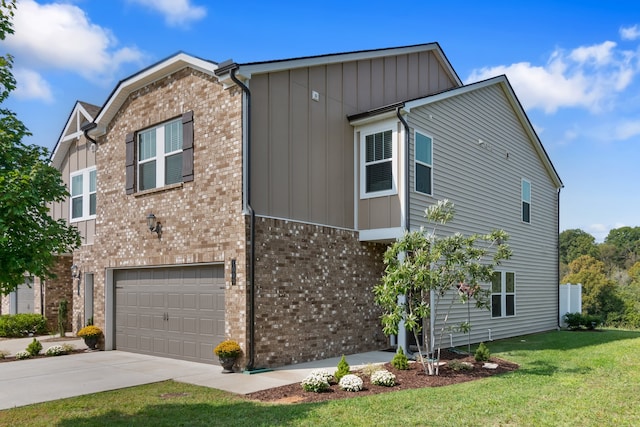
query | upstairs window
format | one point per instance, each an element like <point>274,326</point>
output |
<point>160,156</point>
<point>378,154</point>
<point>83,195</point>
<point>503,294</point>
<point>526,201</point>
<point>423,163</point>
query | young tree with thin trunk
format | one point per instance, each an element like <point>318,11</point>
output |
<point>433,273</point>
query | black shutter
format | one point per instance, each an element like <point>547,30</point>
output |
<point>187,146</point>
<point>130,163</point>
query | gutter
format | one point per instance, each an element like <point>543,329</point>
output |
<point>88,127</point>
<point>252,227</point>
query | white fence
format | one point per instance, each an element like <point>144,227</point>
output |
<point>570,300</point>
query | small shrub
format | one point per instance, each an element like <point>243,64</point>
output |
<point>34,348</point>
<point>400,360</point>
<point>383,378</point>
<point>315,382</point>
<point>578,321</point>
<point>573,320</point>
<point>56,350</point>
<point>3,354</point>
<point>482,353</point>
<point>21,325</point>
<point>343,369</point>
<point>23,355</point>
<point>69,348</point>
<point>351,382</point>
<point>324,373</point>
<point>458,366</point>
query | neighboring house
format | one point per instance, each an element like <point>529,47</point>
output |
<point>74,157</point>
<point>255,201</point>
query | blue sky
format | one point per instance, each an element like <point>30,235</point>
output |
<point>575,66</point>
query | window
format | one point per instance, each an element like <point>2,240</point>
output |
<point>83,195</point>
<point>160,156</point>
<point>503,294</point>
<point>526,201</point>
<point>378,160</point>
<point>423,163</point>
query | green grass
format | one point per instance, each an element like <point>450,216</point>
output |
<point>565,379</point>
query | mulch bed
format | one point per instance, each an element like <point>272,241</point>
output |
<point>412,378</point>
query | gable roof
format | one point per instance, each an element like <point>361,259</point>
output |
<point>143,78</point>
<point>406,106</point>
<point>81,113</point>
<point>246,70</point>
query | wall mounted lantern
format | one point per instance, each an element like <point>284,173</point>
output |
<point>154,225</point>
<point>75,272</point>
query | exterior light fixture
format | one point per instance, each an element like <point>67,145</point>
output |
<point>75,273</point>
<point>154,225</point>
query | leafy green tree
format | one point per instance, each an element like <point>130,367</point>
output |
<point>626,240</point>
<point>429,270</point>
<point>29,237</point>
<point>574,243</point>
<point>600,295</point>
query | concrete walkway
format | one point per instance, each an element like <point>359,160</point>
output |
<point>26,382</point>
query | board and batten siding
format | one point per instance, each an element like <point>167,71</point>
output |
<point>483,180</point>
<point>78,157</point>
<point>302,149</point>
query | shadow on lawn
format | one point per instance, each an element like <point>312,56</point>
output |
<point>195,414</point>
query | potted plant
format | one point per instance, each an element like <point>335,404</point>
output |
<point>90,334</point>
<point>227,351</point>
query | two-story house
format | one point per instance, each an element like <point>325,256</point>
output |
<point>254,201</point>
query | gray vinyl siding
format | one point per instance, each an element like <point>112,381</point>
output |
<point>485,186</point>
<point>302,150</point>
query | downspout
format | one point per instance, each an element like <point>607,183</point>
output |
<point>407,216</point>
<point>86,128</point>
<point>252,226</point>
<point>558,260</point>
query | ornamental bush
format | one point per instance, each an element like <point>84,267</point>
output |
<point>383,378</point>
<point>22,355</point>
<point>324,373</point>
<point>34,348</point>
<point>315,382</point>
<point>400,360</point>
<point>21,325</point>
<point>482,354</point>
<point>228,348</point>
<point>56,350</point>
<point>351,382</point>
<point>343,369</point>
<point>89,332</point>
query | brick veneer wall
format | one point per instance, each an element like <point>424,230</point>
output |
<point>55,290</point>
<point>202,220</point>
<point>314,296</point>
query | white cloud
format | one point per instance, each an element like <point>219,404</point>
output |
<point>630,33</point>
<point>587,77</point>
<point>626,130</point>
<point>601,231</point>
<point>31,85</point>
<point>177,13</point>
<point>60,36</point>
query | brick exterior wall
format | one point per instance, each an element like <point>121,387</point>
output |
<point>314,296</point>
<point>202,220</point>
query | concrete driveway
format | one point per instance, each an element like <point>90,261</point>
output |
<point>26,382</point>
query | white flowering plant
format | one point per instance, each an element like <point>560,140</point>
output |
<point>383,378</point>
<point>351,382</point>
<point>56,350</point>
<point>23,355</point>
<point>315,382</point>
<point>324,373</point>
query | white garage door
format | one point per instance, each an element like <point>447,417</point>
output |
<point>173,312</point>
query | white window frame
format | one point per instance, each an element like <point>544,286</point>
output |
<point>160,155</point>
<point>417,162</point>
<point>503,294</point>
<point>389,125</point>
<point>85,195</point>
<point>523,200</point>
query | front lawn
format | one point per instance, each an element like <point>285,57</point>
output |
<point>565,379</point>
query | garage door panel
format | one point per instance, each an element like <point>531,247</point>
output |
<point>173,312</point>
